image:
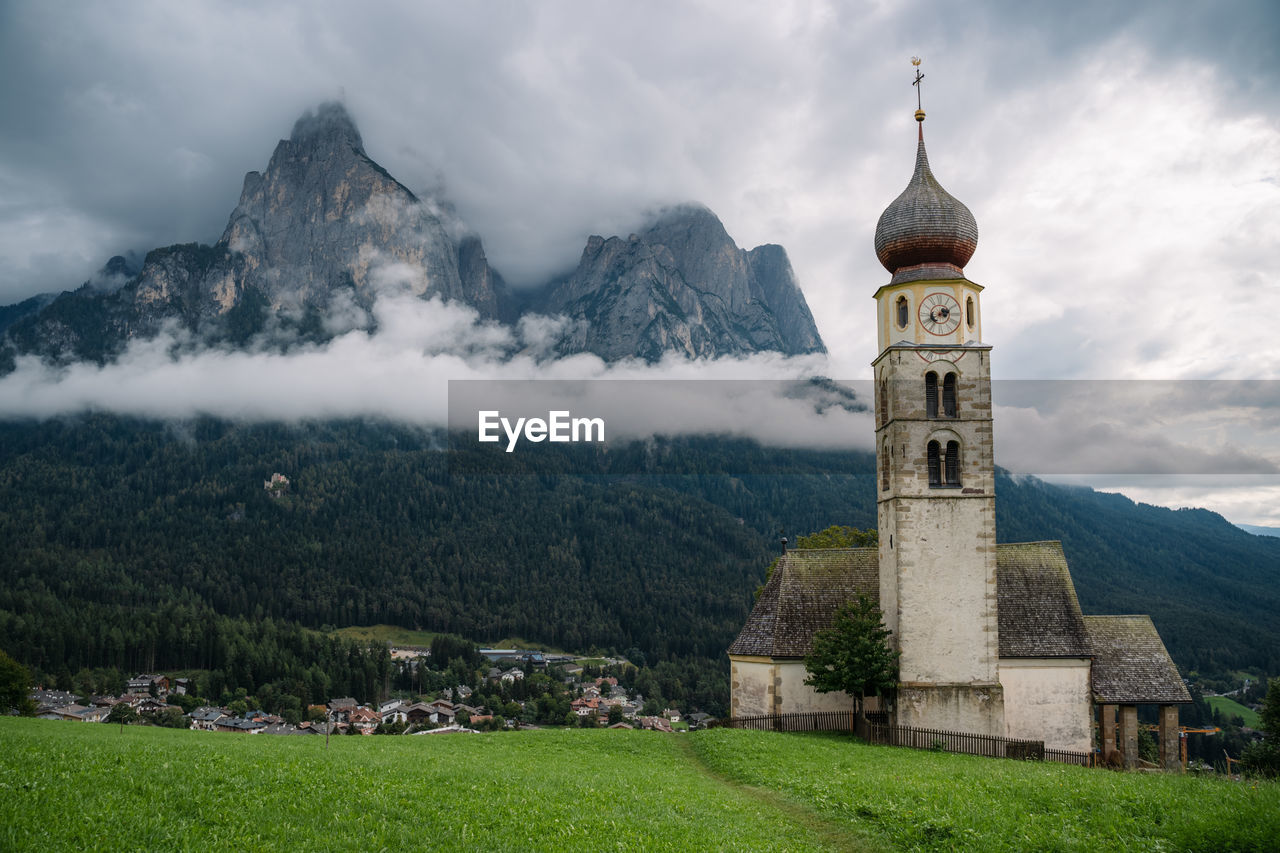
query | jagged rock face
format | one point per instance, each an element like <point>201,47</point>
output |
<point>324,221</point>
<point>683,286</point>
<point>321,218</point>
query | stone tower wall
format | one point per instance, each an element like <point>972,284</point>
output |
<point>937,542</point>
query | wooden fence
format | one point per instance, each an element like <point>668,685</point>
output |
<point>816,721</point>
<point>878,731</point>
<point>1066,756</point>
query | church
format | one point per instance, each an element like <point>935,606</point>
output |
<point>991,637</point>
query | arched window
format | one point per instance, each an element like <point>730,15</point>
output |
<point>902,312</point>
<point>949,396</point>
<point>952,471</point>
<point>884,467</point>
<point>968,312</point>
<point>931,395</point>
<point>935,464</point>
<point>884,402</point>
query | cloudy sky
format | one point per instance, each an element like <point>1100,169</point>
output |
<point>1122,159</point>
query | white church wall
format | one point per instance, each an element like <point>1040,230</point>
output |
<point>761,686</point>
<point>751,686</point>
<point>1048,699</point>
<point>800,698</point>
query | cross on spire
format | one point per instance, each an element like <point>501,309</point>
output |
<point>915,60</point>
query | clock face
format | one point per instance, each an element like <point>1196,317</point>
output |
<point>939,314</point>
<point>930,356</point>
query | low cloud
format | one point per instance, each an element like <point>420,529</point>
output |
<point>395,360</point>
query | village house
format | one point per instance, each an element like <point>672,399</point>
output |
<point>147,683</point>
<point>277,485</point>
<point>418,714</point>
<point>364,720</point>
<point>76,713</point>
<point>340,709</point>
<point>238,725</point>
<point>657,724</point>
<point>206,718</point>
<point>393,711</point>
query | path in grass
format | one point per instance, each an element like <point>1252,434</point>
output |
<point>832,833</point>
<point>937,801</point>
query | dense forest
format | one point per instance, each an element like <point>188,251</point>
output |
<point>145,545</point>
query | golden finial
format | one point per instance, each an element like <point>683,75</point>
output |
<point>915,61</point>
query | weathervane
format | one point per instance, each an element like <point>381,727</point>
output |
<point>915,60</point>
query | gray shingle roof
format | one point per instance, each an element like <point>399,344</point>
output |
<point>802,596</point>
<point>1039,615</point>
<point>1130,663</point>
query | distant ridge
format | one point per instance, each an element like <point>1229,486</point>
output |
<point>1258,530</point>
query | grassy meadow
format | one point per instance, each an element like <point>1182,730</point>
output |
<point>1231,708</point>
<point>934,801</point>
<point>386,635</point>
<point>396,636</point>
<point>94,787</point>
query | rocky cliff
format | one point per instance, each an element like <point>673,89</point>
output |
<point>325,225</point>
<point>682,285</point>
<point>323,218</point>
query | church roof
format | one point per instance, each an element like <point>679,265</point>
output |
<point>806,588</point>
<point>925,232</point>
<point>1130,663</point>
<point>1039,615</point>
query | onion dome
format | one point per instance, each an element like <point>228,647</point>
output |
<point>926,232</point>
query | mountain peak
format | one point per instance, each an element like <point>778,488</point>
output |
<point>329,122</point>
<point>685,217</point>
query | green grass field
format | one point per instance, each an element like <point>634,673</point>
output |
<point>398,636</point>
<point>1230,708</point>
<point>70,786</point>
<point>923,800</point>
<point>386,634</point>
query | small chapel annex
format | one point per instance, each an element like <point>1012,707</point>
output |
<point>991,637</point>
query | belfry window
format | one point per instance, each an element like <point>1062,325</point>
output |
<point>944,467</point>
<point>931,395</point>
<point>968,313</point>
<point>952,463</point>
<point>902,312</point>
<point>884,402</point>
<point>949,396</point>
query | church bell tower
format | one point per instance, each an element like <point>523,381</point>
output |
<point>935,462</point>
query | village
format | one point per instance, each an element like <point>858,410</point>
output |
<point>589,701</point>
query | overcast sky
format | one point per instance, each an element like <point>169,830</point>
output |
<point>1121,159</point>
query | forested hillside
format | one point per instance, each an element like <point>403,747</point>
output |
<point>113,529</point>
